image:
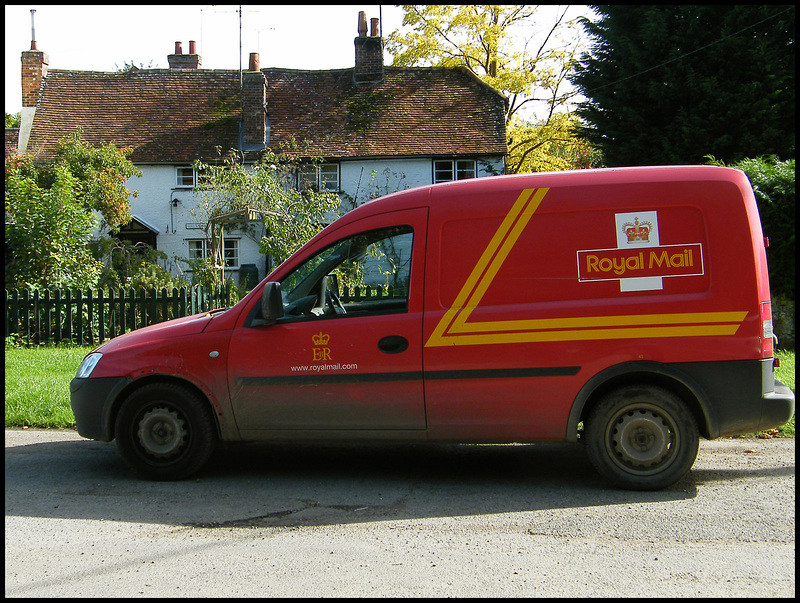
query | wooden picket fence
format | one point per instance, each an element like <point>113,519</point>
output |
<point>370,293</point>
<point>91,317</point>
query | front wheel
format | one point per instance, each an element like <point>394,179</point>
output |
<point>164,432</point>
<point>642,438</point>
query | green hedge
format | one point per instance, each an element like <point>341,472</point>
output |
<point>773,184</point>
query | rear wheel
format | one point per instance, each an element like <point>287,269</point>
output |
<point>164,432</point>
<point>642,438</point>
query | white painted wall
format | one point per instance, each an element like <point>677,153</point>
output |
<point>168,208</point>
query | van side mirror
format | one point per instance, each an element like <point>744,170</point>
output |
<point>271,303</point>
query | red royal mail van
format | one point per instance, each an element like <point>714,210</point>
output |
<point>628,308</point>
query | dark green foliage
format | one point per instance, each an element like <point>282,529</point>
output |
<point>773,183</point>
<point>671,84</point>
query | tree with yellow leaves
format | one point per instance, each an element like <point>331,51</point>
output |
<point>506,47</point>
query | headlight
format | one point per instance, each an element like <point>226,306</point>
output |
<point>88,364</point>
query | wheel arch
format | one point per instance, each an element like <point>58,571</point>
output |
<point>136,384</point>
<point>645,373</point>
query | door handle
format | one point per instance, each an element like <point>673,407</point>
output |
<point>393,344</point>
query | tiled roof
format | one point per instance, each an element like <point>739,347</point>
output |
<point>417,111</point>
<point>165,115</point>
<point>173,116</point>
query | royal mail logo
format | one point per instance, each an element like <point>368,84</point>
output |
<point>320,352</point>
<point>637,231</point>
<point>320,338</point>
<point>662,261</point>
<point>639,262</point>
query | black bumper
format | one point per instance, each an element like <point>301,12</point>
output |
<point>92,401</point>
<point>741,397</point>
<point>777,407</point>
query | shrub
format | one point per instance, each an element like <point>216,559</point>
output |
<point>773,184</point>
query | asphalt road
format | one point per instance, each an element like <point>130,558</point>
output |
<point>455,521</point>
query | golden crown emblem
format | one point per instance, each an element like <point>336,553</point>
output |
<point>637,231</point>
<point>321,338</point>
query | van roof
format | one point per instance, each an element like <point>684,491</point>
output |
<point>414,197</point>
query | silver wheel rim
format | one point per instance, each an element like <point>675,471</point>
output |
<point>162,432</point>
<point>642,440</point>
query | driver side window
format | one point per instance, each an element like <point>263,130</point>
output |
<point>364,274</point>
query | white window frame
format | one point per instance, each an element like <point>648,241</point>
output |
<point>447,170</point>
<point>231,253</point>
<point>200,248</point>
<point>181,176</point>
<point>323,177</point>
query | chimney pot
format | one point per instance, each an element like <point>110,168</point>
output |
<point>184,61</point>
<point>362,23</point>
<point>373,26</point>
<point>254,62</point>
<point>33,32</point>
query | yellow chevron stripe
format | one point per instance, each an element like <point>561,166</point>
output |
<point>588,322</point>
<point>582,335</point>
<point>521,209</point>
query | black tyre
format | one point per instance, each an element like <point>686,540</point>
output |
<point>642,438</point>
<point>165,432</point>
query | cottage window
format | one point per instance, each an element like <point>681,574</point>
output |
<point>199,249</point>
<point>187,177</point>
<point>324,177</point>
<point>446,170</point>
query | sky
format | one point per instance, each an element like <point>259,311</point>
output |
<point>105,37</point>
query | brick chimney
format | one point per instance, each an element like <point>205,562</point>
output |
<point>184,61</point>
<point>255,121</point>
<point>34,69</point>
<point>369,52</point>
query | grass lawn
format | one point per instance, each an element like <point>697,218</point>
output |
<point>37,386</point>
<point>785,374</point>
